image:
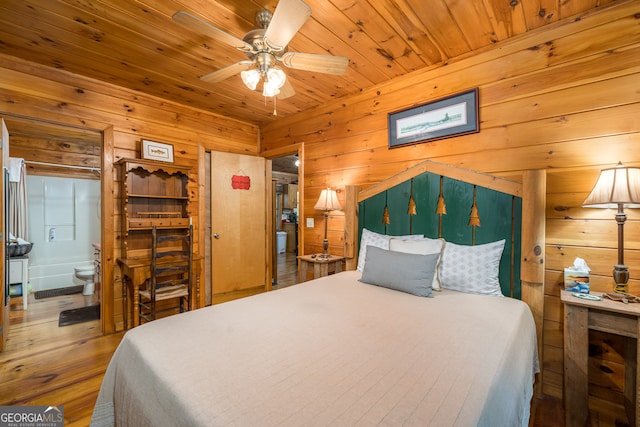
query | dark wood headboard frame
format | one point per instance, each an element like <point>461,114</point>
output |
<point>532,190</point>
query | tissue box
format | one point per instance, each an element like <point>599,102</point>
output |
<point>576,280</point>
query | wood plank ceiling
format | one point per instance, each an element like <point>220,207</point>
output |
<point>135,43</point>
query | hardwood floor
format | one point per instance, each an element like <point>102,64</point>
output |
<point>287,270</point>
<point>44,364</point>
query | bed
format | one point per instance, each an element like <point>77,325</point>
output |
<point>361,347</point>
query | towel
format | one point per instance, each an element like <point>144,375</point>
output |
<point>15,169</point>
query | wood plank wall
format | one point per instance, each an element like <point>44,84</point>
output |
<point>566,99</point>
<point>125,118</point>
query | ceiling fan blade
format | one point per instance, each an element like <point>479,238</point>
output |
<point>285,23</point>
<point>313,62</point>
<point>286,90</point>
<point>197,24</point>
<point>226,72</point>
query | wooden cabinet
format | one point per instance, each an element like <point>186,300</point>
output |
<point>153,193</point>
<point>292,196</point>
<point>292,235</point>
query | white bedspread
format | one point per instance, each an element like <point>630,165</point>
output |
<point>333,351</point>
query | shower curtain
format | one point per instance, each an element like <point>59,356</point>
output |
<point>18,198</point>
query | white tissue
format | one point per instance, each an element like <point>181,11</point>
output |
<point>580,265</point>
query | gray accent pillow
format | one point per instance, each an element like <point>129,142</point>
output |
<point>410,273</point>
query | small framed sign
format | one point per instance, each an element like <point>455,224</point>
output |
<point>444,118</point>
<point>152,150</point>
<point>240,182</point>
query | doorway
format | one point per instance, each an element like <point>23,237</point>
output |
<point>207,231</point>
<point>63,195</point>
<point>286,205</point>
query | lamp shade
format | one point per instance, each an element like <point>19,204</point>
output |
<point>276,76</point>
<point>269,89</point>
<point>619,185</point>
<point>250,78</point>
<point>328,201</point>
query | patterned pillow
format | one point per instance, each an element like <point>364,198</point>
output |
<point>371,238</point>
<point>426,246</point>
<point>472,269</point>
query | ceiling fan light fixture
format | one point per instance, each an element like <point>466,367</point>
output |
<point>276,76</point>
<point>265,47</point>
<point>274,80</point>
<point>250,78</point>
<point>270,89</point>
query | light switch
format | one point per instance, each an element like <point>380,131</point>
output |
<point>310,223</point>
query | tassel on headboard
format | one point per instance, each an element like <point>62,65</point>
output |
<point>385,215</point>
<point>411,209</point>
<point>441,208</point>
<point>474,218</point>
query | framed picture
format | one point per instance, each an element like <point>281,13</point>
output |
<point>152,150</point>
<point>444,118</point>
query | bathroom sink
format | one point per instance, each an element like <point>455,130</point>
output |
<point>19,250</point>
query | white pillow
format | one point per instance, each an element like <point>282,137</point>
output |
<point>371,238</point>
<point>425,246</point>
<point>472,269</point>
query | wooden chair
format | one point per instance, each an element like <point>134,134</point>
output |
<point>171,265</point>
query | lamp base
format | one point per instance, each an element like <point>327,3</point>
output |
<point>621,277</point>
<point>325,245</point>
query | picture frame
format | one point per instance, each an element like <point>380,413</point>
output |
<point>152,150</point>
<point>447,117</point>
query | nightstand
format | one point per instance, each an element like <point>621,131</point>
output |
<point>321,267</point>
<point>607,316</point>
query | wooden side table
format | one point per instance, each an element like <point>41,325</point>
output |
<point>607,316</point>
<point>321,267</point>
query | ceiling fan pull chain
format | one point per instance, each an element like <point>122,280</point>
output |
<point>275,113</point>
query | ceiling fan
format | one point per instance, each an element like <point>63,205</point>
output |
<point>266,47</point>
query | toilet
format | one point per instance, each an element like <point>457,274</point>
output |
<point>86,275</point>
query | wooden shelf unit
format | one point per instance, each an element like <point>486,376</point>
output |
<point>153,194</point>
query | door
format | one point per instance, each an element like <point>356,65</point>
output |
<point>4,307</point>
<point>238,226</point>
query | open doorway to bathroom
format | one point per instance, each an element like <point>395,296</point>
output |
<point>285,182</point>
<point>60,208</point>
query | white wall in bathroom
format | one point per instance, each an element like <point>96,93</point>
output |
<point>64,220</point>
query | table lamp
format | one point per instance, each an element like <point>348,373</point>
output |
<point>617,187</point>
<point>328,201</point>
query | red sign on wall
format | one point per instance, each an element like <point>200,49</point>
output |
<point>240,182</point>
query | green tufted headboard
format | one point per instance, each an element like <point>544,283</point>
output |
<point>499,215</point>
